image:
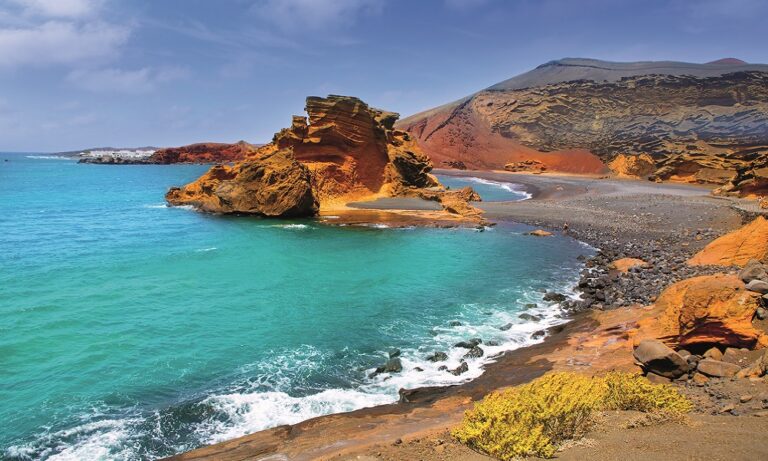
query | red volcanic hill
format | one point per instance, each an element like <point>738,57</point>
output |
<point>693,122</point>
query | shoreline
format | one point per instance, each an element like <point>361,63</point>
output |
<point>554,199</point>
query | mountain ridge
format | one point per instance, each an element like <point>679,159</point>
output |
<point>703,123</point>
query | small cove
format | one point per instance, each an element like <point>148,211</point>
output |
<point>132,330</point>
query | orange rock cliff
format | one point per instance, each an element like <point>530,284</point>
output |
<point>343,151</point>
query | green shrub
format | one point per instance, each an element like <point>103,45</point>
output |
<point>534,418</point>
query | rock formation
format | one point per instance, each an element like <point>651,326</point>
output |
<point>624,265</point>
<point>274,185</point>
<point>709,310</point>
<point>343,151</point>
<point>702,123</point>
<point>736,248</point>
<point>632,166</point>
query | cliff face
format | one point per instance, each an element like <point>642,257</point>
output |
<point>696,123</point>
<point>342,151</point>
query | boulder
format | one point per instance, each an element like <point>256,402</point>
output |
<point>530,317</point>
<point>713,353</point>
<point>758,286</point>
<point>474,353</point>
<point>469,344</point>
<point>463,368</point>
<point>717,369</point>
<point>655,357</point>
<point>505,327</point>
<point>394,353</point>
<point>709,310</point>
<point>624,265</point>
<point>539,233</point>
<point>753,270</point>
<point>756,369</point>
<point>554,297</point>
<point>393,366</point>
<point>736,248</point>
<point>438,357</point>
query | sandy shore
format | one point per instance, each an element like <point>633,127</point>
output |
<point>661,223</point>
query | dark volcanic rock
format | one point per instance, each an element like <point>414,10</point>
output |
<point>438,357</point>
<point>474,353</point>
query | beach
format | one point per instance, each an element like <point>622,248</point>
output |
<point>661,223</point>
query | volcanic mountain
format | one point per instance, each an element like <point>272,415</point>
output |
<point>705,123</point>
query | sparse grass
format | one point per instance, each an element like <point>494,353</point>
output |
<point>535,418</point>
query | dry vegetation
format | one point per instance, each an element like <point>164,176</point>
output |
<point>536,418</point>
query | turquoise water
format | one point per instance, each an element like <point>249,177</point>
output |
<point>129,330</point>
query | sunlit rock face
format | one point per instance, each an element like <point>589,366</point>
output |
<point>342,151</point>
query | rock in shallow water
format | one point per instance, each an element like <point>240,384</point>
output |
<point>474,353</point>
<point>469,344</point>
<point>463,368</point>
<point>438,357</point>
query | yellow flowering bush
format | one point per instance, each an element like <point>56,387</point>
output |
<point>534,418</point>
<point>627,391</point>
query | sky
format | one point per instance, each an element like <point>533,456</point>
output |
<point>128,73</point>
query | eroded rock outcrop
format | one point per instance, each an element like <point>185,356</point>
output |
<point>632,166</point>
<point>736,248</point>
<point>709,310</point>
<point>274,184</point>
<point>343,151</point>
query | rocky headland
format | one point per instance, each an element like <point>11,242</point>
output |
<point>665,121</point>
<point>208,152</point>
<point>343,151</point>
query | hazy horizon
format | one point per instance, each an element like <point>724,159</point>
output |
<point>88,73</point>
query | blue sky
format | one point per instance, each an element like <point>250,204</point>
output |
<point>83,73</point>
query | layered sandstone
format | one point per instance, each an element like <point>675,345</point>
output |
<point>736,248</point>
<point>709,310</point>
<point>701,123</point>
<point>343,151</point>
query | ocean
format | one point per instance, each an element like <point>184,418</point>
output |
<point>130,330</point>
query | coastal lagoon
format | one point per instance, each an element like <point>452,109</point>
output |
<point>131,330</point>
